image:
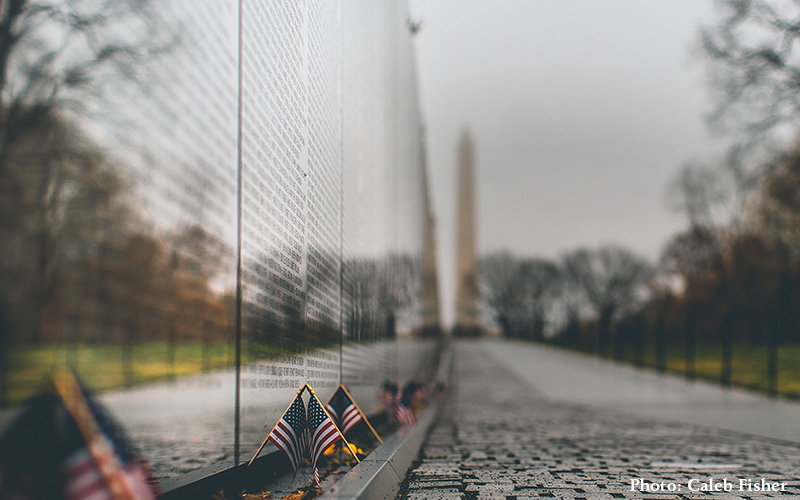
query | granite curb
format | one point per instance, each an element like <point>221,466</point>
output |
<point>381,473</point>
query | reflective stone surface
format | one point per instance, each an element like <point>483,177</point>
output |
<point>256,176</point>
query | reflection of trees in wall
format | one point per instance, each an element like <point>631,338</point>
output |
<point>56,60</point>
<point>60,197</point>
<point>399,285</point>
<point>381,293</point>
<point>360,289</point>
<point>78,265</point>
<point>278,310</point>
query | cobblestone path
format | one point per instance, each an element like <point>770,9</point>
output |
<point>497,438</point>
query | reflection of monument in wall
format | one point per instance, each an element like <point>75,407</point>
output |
<point>467,320</point>
<point>431,314</point>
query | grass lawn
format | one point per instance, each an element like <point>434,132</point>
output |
<point>104,367</point>
<point>749,365</point>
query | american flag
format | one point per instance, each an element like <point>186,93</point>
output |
<point>30,451</point>
<point>403,413</point>
<point>323,432</point>
<point>69,447</point>
<point>105,467</point>
<point>290,434</point>
<point>86,482</point>
<point>343,410</point>
<point>396,404</point>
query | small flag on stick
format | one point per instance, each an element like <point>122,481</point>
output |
<point>403,413</point>
<point>300,431</point>
<point>396,404</point>
<point>104,467</point>
<point>289,434</point>
<point>323,432</point>
<point>66,445</point>
<point>345,412</point>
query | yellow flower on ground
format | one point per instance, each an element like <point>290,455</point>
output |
<point>332,449</point>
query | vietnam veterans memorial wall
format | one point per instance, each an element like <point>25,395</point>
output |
<point>254,213</point>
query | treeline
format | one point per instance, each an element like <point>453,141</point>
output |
<point>732,277</point>
<point>578,300</point>
<point>80,264</point>
<point>380,296</point>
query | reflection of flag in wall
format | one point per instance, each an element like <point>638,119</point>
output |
<point>343,410</point>
<point>323,432</point>
<point>289,433</point>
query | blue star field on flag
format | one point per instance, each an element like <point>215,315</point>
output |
<point>323,432</point>
<point>290,434</point>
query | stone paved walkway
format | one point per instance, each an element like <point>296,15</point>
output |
<point>498,438</point>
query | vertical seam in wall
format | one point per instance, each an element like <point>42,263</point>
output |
<point>238,312</point>
<point>341,189</point>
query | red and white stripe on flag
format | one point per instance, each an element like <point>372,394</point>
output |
<point>405,416</point>
<point>85,482</point>
<point>350,418</point>
<point>402,413</point>
<point>284,437</point>
<point>325,435</point>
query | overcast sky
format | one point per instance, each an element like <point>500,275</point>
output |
<point>582,112</point>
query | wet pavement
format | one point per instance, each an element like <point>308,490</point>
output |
<point>526,421</point>
<point>586,379</point>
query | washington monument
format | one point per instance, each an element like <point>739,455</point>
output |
<point>467,321</point>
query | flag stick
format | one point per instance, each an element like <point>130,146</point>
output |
<point>99,448</point>
<point>362,414</point>
<point>352,453</point>
<point>274,426</point>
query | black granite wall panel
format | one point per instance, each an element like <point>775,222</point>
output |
<point>267,149</point>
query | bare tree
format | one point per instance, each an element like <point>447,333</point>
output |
<point>59,54</point>
<point>716,198</point>
<point>613,280</point>
<point>398,283</point>
<point>754,67</point>
<point>721,204</point>
<point>56,58</point>
<point>502,289</point>
<point>779,203</point>
<point>539,277</point>
<point>60,194</point>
